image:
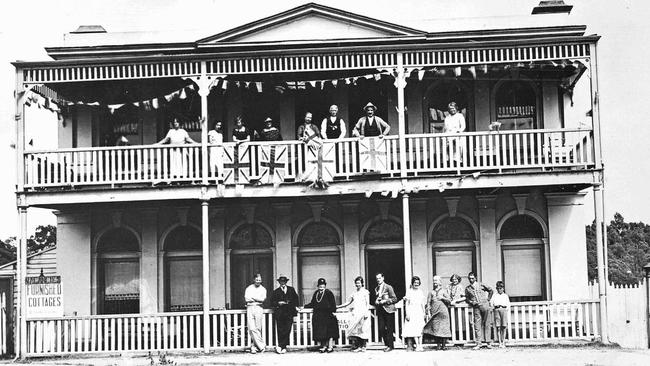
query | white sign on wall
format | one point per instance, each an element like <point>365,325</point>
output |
<point>44,297</point>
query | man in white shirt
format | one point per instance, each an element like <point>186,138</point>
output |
<point>255,295</point>
<point>333,127</point>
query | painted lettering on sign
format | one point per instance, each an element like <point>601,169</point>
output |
<point>44,296</point>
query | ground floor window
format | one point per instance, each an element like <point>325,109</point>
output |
<point>118,272</point>
<point>185,283</point>
<point>449,261</point>
<point>316,265</point>
<point>523,273</point>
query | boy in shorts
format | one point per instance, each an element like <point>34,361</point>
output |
<point>501,304</point>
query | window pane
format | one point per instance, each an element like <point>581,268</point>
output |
<point>523,272</point>
<point>313,267</point>
<point>449,262</point>
<point>121,287</point>
<point>185,284</point>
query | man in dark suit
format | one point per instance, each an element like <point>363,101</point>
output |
<point>385,305</point>
<point>284,301</point>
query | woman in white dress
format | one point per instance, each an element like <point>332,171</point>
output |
<point>359,330</point>
<point>177,136</point>
<point>455,123</point>
<point>414,302</point>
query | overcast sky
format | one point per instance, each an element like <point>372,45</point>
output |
<point>623,55</point>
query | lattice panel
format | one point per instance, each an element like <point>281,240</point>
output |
<point>111,72</point>
<point>495,55</point>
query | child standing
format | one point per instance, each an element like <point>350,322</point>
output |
<point>501,304</point>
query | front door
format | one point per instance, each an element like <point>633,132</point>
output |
<point>390,262</point>
<point>243,268</point>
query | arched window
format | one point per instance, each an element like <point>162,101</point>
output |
<point>183,269</point>
<point>384,231</point>
<point>516,105</point>
<point>319,256</point>
<point>522,246</point>
<point>250,253</point>
<point>437,99</point>
<point>118,267</point>
<point>454,248</point>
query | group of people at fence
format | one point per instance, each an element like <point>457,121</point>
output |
<point>332,127</point>
<point>424,315</point>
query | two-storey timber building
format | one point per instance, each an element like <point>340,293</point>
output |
<point>157,242</point>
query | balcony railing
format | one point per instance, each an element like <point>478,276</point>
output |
<point>295,161</point>
<point>529,322</point>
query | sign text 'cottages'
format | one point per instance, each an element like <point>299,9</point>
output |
<point>44,296</point>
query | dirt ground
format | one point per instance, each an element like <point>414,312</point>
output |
<point>555,356</point>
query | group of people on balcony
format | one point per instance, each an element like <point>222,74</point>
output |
<point>331,128</point>
<point>424,315</point>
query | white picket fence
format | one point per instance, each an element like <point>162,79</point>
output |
<point>530,322</point>
<point>626,313</point>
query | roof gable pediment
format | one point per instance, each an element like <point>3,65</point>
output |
<point>311,22</point>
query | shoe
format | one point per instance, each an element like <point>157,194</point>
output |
<point>477,347</point>
<point>502,346</point>
<point>488,346</point>
<point>357,350</point>
<point>278,349</point>
<point>363,349</point>
<point>283,351</point>
<point>322,350</point>
<point>262,349</point>
<point>330,350</point>
<point>253,350</point>
<point>419,349</point>
<point>388,349</point>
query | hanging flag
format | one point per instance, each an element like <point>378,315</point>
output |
<point>472,70</point>
<point>321,165</point>
<point>312,83</point>
<point>113,107</point>
<point>484,68</point>
<point>154,103</point>
<point>273,163</point>
<point>224,85</point>
<point>183,94</point>
<point>137,104</point>
<point>236,167</point>
<point>421,74</point>
<point>335,82</point>
<point>372,154</point>
<point>458,70</point>
<point>258,85</point>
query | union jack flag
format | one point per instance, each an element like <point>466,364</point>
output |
<point>236,164</point>
<point>273,163</point>
<point>321,164</point>
<point>372,153</point>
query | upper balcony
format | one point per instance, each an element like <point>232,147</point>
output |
<point>269,165</point>
<point>527,81</point>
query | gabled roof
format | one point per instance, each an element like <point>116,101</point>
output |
<point>312,10</point>
<point>30,256</point>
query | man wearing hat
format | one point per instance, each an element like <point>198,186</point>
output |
<point>371,125</point>
<point>284,301</point>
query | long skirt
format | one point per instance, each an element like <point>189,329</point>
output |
<point>324,326</point>
<point>438,325</point>
<point>359,326</point>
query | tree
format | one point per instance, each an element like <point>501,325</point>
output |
<point>44,237</point>
<point>628,250</point>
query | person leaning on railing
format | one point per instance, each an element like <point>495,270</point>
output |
<point>177,136</point>
<point>333,126</point>
<point>371,125</point>
<point>240,133</point>
<point>270,132</point>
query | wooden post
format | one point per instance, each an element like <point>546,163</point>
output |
<point>406,224</point>
<point>21,94</point>
<point>600,260</point>
<point>205,256</point>
<point>400,84</point>
<point>204,91</point>
<point>21,273</point>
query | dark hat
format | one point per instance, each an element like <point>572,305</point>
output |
<point>283,278</point>
<point>321,281</point>
<point>370,105</point>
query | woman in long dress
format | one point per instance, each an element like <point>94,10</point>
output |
<point>438,324</point>
<point>414,307</point>
<point>325,326</point>
<point>177,157</point>
<point>359,330</point>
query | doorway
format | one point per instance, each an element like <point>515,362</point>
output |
<point>390,262</point>
<point>243,268</point>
